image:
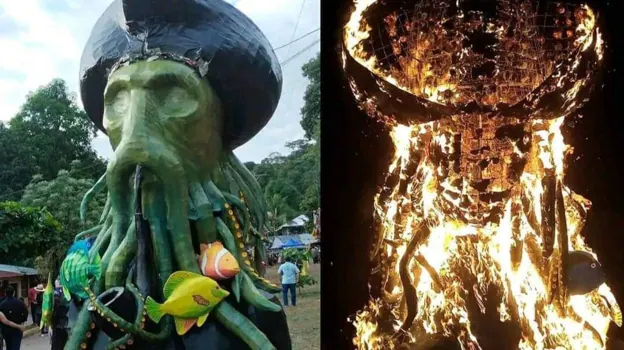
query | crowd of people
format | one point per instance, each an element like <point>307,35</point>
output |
<point>274,256</point>
<point>14,315</point>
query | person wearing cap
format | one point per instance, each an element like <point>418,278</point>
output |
<point>35,296</point>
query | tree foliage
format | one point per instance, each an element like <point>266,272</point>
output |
<point>26,232</point>
<point>291,183</point>
<point>311,110</point>
<point>62,197</point>
<point>47,134</point>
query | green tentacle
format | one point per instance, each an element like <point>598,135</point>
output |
<point>99,185</point>
<point>106,211</point>
<point>87,233</point>
<point>214,196</point>
<point>249,180</point>
<point>242,327</point>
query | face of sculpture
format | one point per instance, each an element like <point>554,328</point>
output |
<point>163,108</point>
<point>478,161</point>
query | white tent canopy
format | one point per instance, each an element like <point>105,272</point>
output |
<point>300,220</point>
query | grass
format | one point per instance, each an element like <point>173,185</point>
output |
<point>304,320</point>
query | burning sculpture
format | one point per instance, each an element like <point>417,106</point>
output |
<point>176,261</point>
<point>475,96</point>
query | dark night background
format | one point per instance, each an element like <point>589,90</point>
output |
<point>356,152</point>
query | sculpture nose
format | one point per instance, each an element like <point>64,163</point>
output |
<point>138,117</point>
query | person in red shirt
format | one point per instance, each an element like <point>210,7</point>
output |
<point>35,305</point>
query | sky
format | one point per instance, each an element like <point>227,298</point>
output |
<point>43,39</point>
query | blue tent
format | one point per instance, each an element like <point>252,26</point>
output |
<point>291,243</point>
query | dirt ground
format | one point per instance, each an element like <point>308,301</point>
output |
<point>304,320</point>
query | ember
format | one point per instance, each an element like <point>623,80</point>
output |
<point>475,195</point>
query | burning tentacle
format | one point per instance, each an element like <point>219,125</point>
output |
<point>548,215</point>
<point>409,291</point>
<point>563,244</point>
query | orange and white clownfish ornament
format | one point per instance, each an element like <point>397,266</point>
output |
<point>217,262</point>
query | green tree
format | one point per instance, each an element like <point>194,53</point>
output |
<point>311,110</point>
<point>47,134</point>
<point>291,183</point>
<point>62,197</point>
<point>26,233</point>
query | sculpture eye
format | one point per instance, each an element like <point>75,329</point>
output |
<point>176,101</point>
<point>116,106</point>
<point>593,265</point>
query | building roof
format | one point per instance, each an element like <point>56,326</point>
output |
<point>7,271</point>
<point>304,238</point>
<point>296,222</point>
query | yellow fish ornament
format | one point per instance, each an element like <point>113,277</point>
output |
<point>189,298</point>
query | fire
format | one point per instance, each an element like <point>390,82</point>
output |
<point>475,200</point>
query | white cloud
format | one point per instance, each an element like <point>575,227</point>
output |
<point>43,39</point>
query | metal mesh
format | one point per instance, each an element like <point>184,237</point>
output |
<point>461,56</point>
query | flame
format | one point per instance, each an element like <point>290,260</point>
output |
<point>443,242</point>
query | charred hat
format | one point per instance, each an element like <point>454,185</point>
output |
<point>211,36</point>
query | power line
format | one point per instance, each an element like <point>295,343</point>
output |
<point>296,24</point>
<point>283,63</point>
<point>299,38</point>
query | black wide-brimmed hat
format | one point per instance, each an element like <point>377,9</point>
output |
<point>223,44</point>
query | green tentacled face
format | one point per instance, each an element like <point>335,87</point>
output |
<point>162,116</point>
<point>161,107</point>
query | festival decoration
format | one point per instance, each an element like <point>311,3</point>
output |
<point>47,307</point>
<point>189,298</point>
<point>217,262</point>
<point>177,86</point>
<point>475,216</point>
<point>78,269</point>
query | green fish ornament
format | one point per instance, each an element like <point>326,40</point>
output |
<point>48,304</point>
<point>78,270</point>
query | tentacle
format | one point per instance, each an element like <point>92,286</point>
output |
<point>200,200</point>
<point>251,182</point>
<point>253,296</point>
<point>155,212</point>
<point>563,244</point>
<point>179,227</point>
<point>242,255</point>
<point>548,214</point>
<point>106,211</point>
<point>242,327</point>
<point>256,203</point>
<point>118,229</point>
<point>101,242</point>
<point>517,246</point>
<point>88,232</point>
<point>121,341</point>
<point>241,211</point>
<point>409,291</point>
<point>214,196</point>
<point>121,258</point>
<point>106,226</point>
<point>206,229</point>
<point>99,185</point>
<point>83,325</point>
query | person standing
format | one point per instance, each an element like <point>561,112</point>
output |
<point>34,306</point>
<point>13,314</point>
<point>290,274</point>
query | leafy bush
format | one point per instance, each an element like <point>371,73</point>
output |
<point>26,233</point>
<point>301,258</point>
